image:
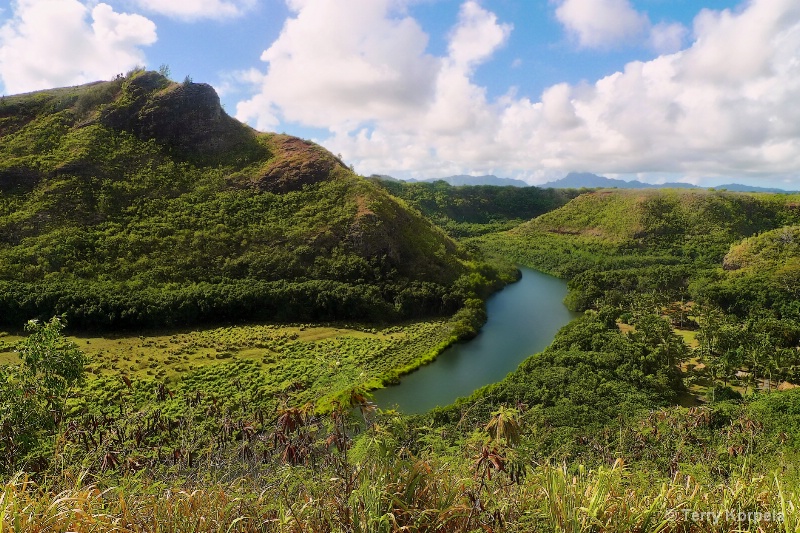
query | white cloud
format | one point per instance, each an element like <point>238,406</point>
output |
<point>341,64</point>
<point>725,106</point>
<point>666,38</point>
<point>610,23</point>
<point>49,43</point>
<point>190,10</point>
<point>601,23</point>
<point>476,36</point>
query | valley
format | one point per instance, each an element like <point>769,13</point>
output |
<point>521,320</point>
<point>227,301</point>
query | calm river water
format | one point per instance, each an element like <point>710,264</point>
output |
<point>522,320</point>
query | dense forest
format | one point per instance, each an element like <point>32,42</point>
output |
<point>207,308</point>
<point>467,211</point>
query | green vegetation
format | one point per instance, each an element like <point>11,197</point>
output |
<point>589,377</point>
<point>476,210</point>
<point>286,363</point>
<point>761,273</point>
<point>34,394</point>
<point>617,244</point>
<point>629,253</point>
<point>139,203</point>
<point>417,494</point>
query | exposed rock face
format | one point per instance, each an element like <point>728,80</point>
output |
<point>187,118</point>
<point>296,163</point>
<point>125,115</point>
<point>190,118</point>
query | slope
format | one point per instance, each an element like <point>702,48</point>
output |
<point>759,273</point>
<point>470,210</point>
<point>139,202</point>
<point>641,240</point>
<point>695,224</point>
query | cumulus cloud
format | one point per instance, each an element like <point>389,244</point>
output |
<point>726,105</point>
<point>48,43</point>
<point>667,37</point>
<point>198,9</point>
<point>476,36</point>
<point>339,64</point>
<point>610,23</point>
<point>601,23</point>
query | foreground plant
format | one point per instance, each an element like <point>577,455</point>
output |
<point>408,495</point>
<point>33,393</point>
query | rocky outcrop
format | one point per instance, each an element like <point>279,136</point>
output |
<point>189,118</point>
<point>186,118</point>
<point>296,163</point>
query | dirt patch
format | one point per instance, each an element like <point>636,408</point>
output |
<point>361,207</point>
<point>297,163</point>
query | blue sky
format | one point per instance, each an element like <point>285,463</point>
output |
<point>696,90</point>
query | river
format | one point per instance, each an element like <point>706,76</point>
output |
<point>522,320</point>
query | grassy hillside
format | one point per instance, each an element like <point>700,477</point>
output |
<point>722,265</point>
<point>139,202</point>
<point>475,210</point>
<point>699,224</point>
<point>653,240</point>
<point>771,250</point>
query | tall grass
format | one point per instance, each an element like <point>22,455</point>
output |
<point>412,496</point>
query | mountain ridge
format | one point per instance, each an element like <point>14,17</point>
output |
<point>579,180</point>
<point>460,180</point>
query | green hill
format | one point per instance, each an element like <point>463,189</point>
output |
<point>140,202</point>
<point>630,241</point>
<point>470,210</point>
<point>691,225</point>
<point>668,217</point>
<point>776,249</point>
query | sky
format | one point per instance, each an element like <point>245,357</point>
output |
<point>702,91</point>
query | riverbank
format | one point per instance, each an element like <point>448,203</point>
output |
<point>522,319</point>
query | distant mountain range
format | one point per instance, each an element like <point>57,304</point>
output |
<point>578,180</point>
<point>463,179</point>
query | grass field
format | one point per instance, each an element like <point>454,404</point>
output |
<point>311,361</point>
